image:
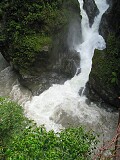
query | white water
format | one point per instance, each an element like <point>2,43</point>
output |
<point>61,104</point>
<point>9,85</point>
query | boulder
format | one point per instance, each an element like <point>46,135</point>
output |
<point>91,10</point>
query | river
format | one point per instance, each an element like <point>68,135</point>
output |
<point>61,105</point>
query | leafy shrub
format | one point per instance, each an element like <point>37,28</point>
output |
<point>12,120</point>
<point>26,49</point>
<point>36,42</point>
<point>22,140</point>
<point>37,20</point>
<point>114,78</point>
<point>106,63</point>
<point>37,143</point>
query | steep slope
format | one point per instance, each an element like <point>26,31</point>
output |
<point>105,75</point>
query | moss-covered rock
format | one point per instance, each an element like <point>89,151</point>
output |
<point>27,28</point>
<point>105,75</point>
<point>34,39</point>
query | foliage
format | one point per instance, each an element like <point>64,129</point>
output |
<point>11,117</point>
<point>37,143</point>
<point>27,26</point>
<point>12,121</point>
<point>106,63</point>
<point>113,46</point>
<point>22,140</point>
<point>114,78</point>
<point>105,74</point>
<point>27,49</point>
<point>36,42</point>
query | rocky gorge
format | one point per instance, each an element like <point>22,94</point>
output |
<point>41,64</point>
<point>105,74</point>
<point>47,62</point>
<point>59,64</point>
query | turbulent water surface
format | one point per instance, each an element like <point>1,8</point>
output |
<point>61,105</point>
<point>9,85</point>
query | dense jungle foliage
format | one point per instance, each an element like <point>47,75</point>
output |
<point>20,139</point>
<point>107,62</point>
<point>27,28</point>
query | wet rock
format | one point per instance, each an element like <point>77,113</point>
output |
<point>99,86</point>
<point>99,93</point>
<point>37,84</point>
<point>66,120</point>
<point>42,78</point>
<point>91,10</point>
<point>110,21</point>
<point>59,62</point>
<point>3,63</point>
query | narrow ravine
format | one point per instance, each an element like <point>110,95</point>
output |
<point>61,105</point>
<point>65,105</point>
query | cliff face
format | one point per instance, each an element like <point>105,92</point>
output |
<point>34,39</point>
<point>105,74</point>
<point>39,44</point>
<point>110,21</point>
<point>91,10</point>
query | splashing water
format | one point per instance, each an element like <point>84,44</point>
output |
<point>9,84</point>
<point>61,104</point>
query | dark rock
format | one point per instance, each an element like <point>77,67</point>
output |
<point>37,84</point>
<point>3,63</point>
<point>60,62</point>
<point>100,87</point>
<point>63,57</point>
<point>110,21</point>
<point>91,10</point>
<point>99,93</point>
<point>41,77</point>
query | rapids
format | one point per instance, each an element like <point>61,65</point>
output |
<point>61,105</point>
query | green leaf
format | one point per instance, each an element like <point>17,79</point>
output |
<point>114,74</point>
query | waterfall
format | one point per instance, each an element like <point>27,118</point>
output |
<point>62,105</point>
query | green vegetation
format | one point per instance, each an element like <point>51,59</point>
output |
<point>106,64</point>
<point>12,122</point>
<point>70,144</point>
<point>28,26</point>
<point>22,140</point>
<point>114,78</point>
<point>105,73</point>
<point>27,48</point>
<point>11,118</point>
<point>36,42</point>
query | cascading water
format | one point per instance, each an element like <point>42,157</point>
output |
<point>61,104</point>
